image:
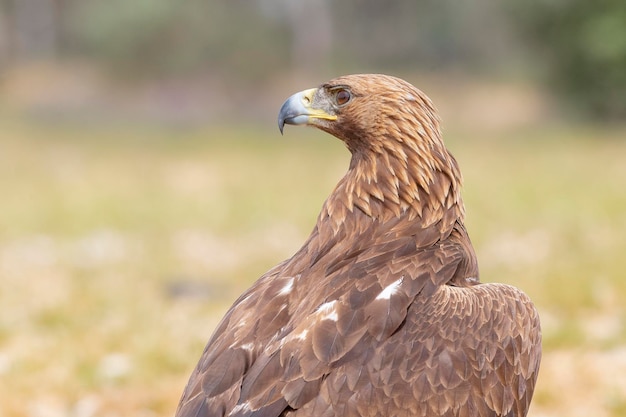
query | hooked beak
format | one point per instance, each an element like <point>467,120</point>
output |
<point>297,110</point>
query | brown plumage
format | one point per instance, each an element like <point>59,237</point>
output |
<point>381,312</point>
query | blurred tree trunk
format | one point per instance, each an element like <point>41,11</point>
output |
<point>32,28</point>
<point>311,25</point>
<point>4,37</point>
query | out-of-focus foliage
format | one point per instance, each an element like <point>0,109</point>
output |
<point>246,43</point>
<point>583,45</point>
<point>247,38</point>
<point>161,36</point>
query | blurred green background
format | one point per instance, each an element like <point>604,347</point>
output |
<point>144,184</point>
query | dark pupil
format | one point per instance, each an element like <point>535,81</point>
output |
<point>342,97</point>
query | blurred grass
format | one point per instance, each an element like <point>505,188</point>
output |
<point>120,249</point>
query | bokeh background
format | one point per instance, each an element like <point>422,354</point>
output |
<point>144,184</point>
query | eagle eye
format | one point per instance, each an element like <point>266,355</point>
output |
<point>342,97</point>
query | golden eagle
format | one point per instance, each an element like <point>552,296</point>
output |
<point>381,312</point>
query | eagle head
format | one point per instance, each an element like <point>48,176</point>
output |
<point>366,111</point>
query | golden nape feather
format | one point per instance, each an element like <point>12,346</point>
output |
<point>381,312</point>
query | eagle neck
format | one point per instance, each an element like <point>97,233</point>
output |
<point>394,180</point>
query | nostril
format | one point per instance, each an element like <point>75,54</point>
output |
<point>306,100</point>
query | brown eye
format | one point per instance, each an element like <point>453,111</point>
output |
<point>342,97</point>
